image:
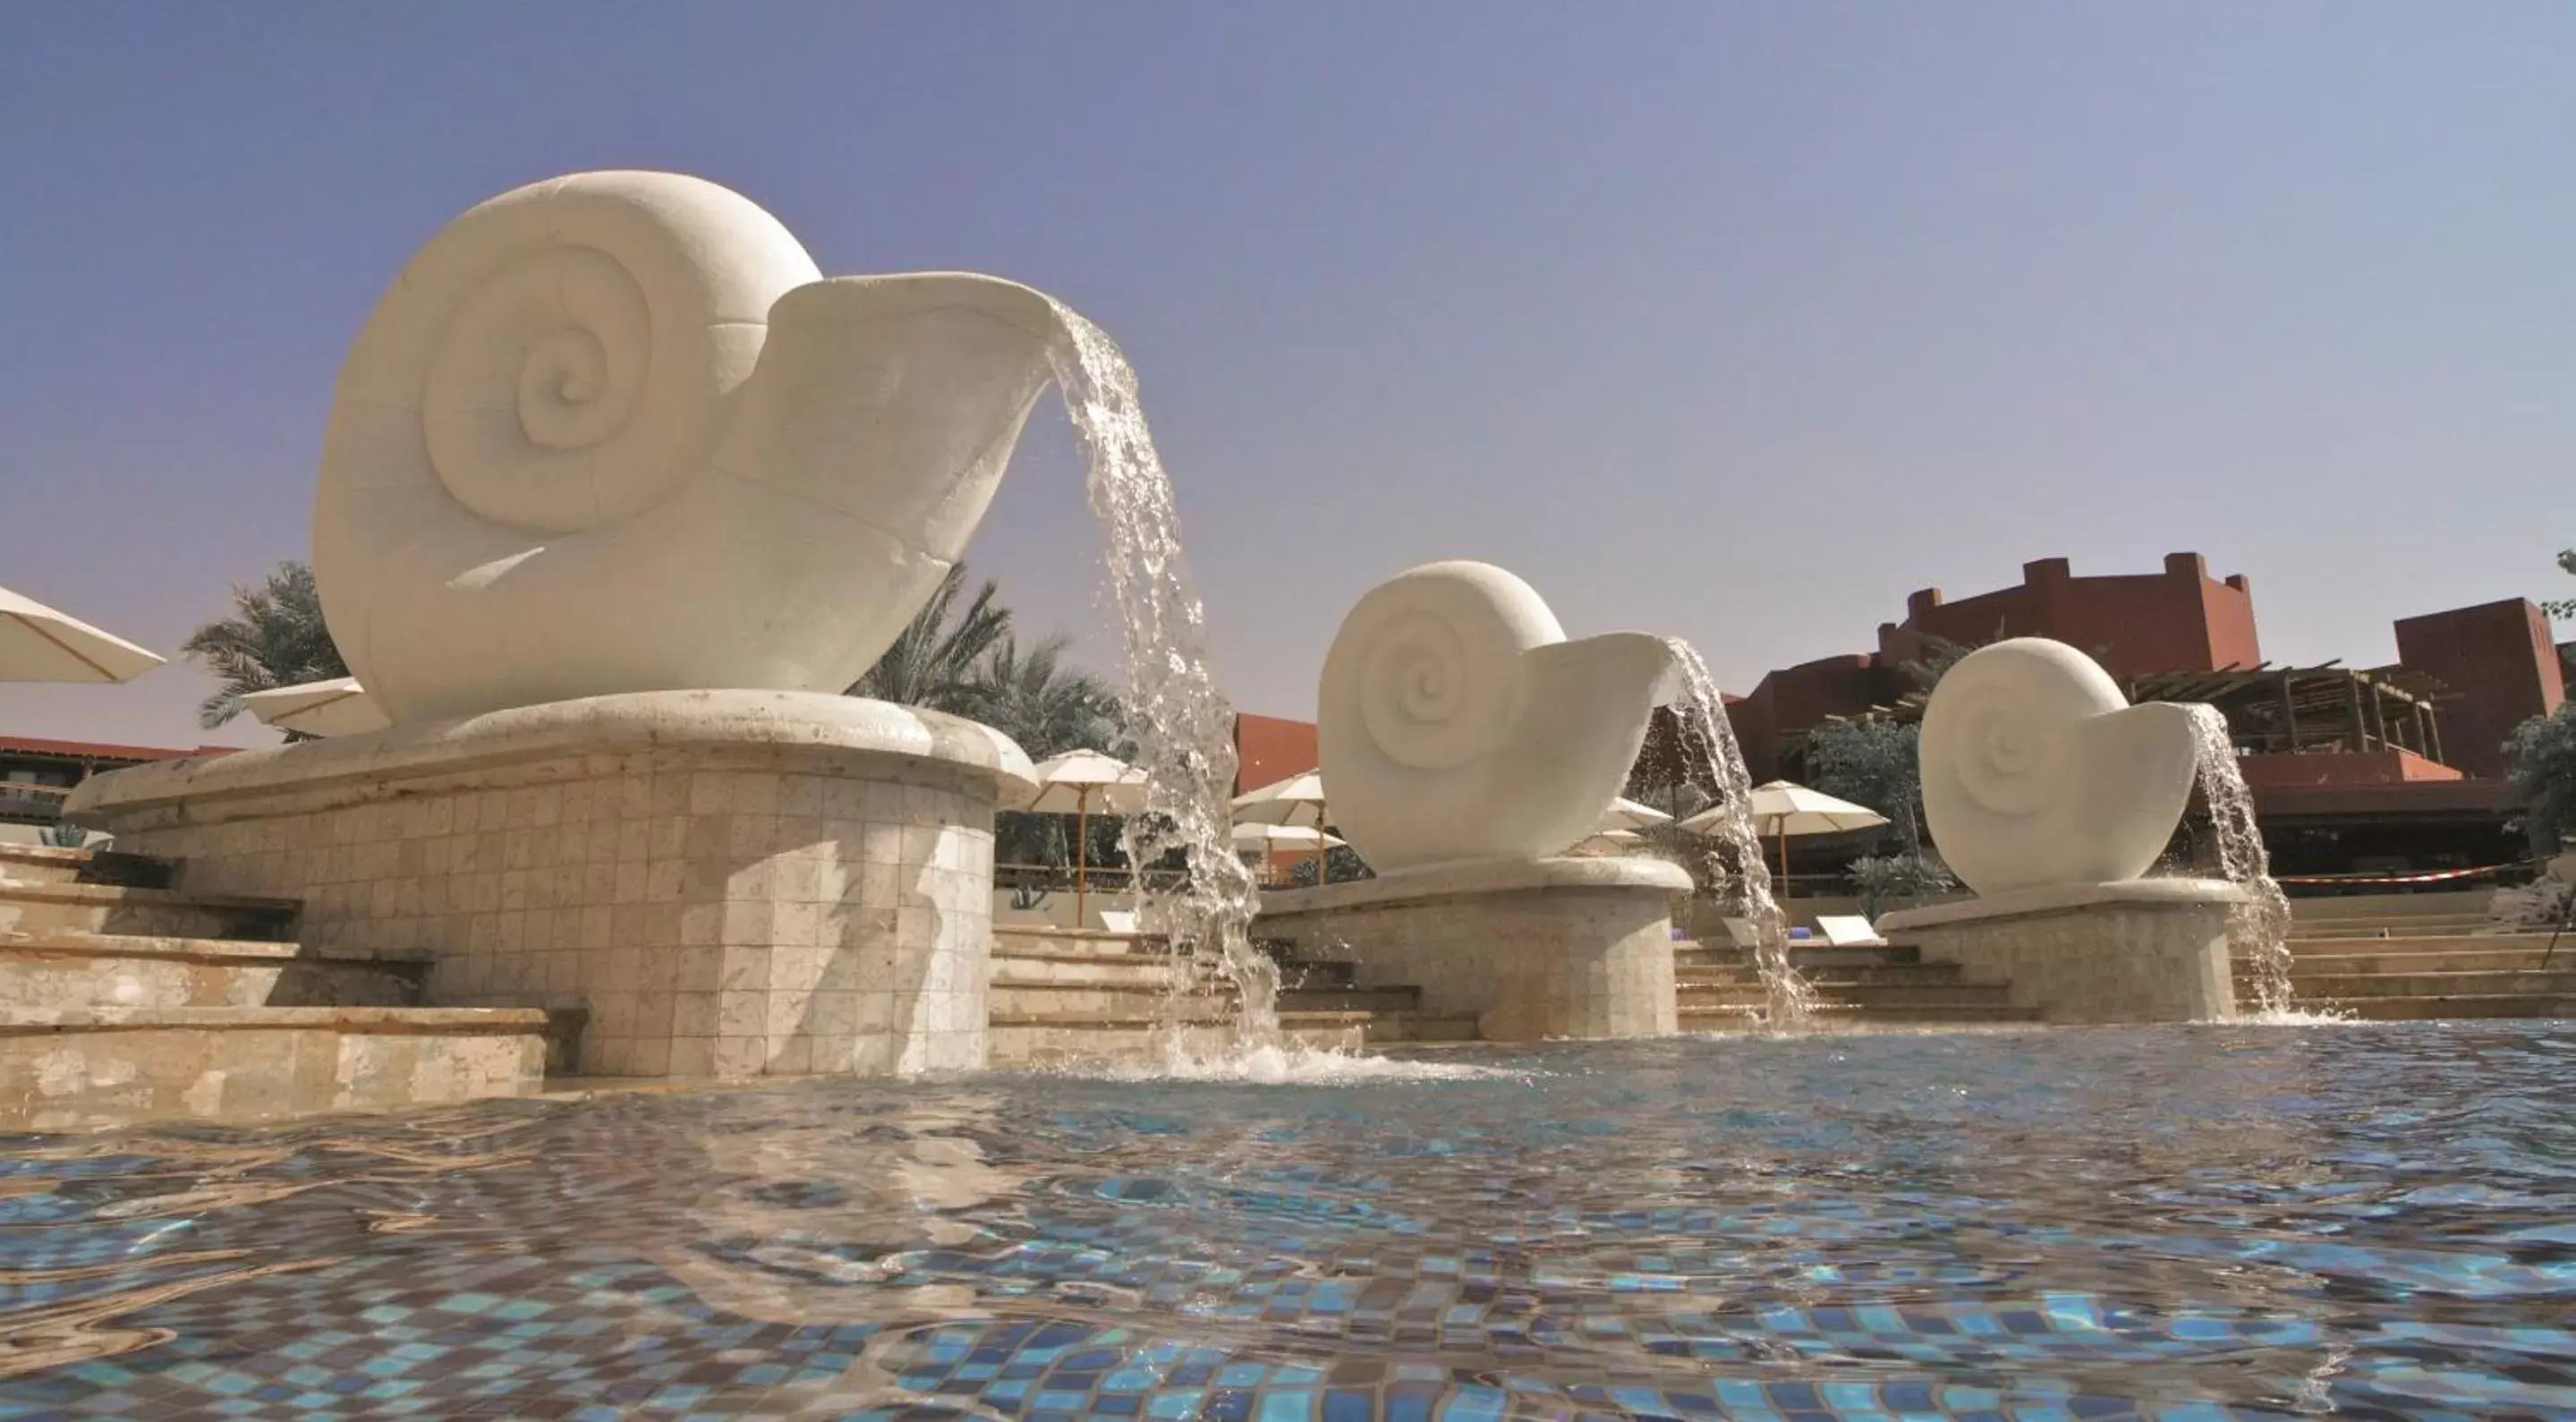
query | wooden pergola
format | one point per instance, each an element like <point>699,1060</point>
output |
<point>2282,710</point>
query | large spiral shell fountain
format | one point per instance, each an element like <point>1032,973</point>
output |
<point>1457,723</point>
<point>2038,772</point>
<point>613,432</point>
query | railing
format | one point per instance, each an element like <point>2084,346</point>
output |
<point>32,804</point>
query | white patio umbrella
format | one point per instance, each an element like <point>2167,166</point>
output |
<point>1070,784</point>
<point>1297,800</point>
<point>337,707</point>
<point>1783,809</point>
<point>1626,814</point>
<point>40,644</point>
<point>1608,841</point>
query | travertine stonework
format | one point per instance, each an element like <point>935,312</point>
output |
<point>1552,949</point>
<point>770,902</point>
<point>84,1070</point>
<point>2144,950</point>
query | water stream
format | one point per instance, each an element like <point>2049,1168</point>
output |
<point>1183,727</point>
<point>2260,925</point>
<point>1791,1002</point>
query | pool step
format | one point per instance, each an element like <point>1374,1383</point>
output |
<point>1059,996</point>
<point>84,1069</point>
<point>2420,977</point>
<point>46,864</point>
<point>123,1000</point>
<point>58,905</point>
<point>135,971</point>
<point>1717,988</point>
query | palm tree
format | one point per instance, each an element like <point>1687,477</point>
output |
<point>275,637</point>
<point>936,663</point>
<point>1041,703</point>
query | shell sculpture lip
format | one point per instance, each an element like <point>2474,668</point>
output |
<point>1456,723</point>
<point>614,432</point>
<point>2037,772</point>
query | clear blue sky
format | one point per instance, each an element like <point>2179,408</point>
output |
<point>1735,321</point>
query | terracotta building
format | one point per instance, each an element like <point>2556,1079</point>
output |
<point>2498,660</point>
<point>35,774</point>
<point>1268,749</point>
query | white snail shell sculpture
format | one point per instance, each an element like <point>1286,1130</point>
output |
<point>613,432</point>
<point>2038,772</point>
<point>1457,723</point>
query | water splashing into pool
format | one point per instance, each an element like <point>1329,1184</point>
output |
<point>2259,926</point>
<point>1791,1002</point>
<point>1183,727</point>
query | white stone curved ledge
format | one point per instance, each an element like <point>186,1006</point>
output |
<point>2066,898</point>
<point>868,733</point>
<point>1480,879</point>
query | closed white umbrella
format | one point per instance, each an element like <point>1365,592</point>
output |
<point>1070,784</point>
<point>337,707</point>
<point>1297,800</point>
<point>1782,809</point>
<point>40,644</point>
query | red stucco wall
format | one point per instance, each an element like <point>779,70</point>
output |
<point>2498,657</point>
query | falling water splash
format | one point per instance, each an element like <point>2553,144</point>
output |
<point>1791,1001</point>
<point>2260,925</point>
<point>1183,727</point>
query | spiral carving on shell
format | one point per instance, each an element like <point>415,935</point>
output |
<point>1457,722</point>
<point>2036,770</point>
<point>572,345</point>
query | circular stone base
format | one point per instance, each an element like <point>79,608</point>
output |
<point>2140,950</point>
<point>1551,948</point>
<point>732,883</point>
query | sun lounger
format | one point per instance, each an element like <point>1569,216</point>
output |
<point>1848,931</point>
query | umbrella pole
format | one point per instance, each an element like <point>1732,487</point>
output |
<point>1323,865</point>
<point>1784,861</point>
<point>1081,850</point>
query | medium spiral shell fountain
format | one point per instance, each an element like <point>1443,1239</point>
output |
<point>1457,723</point>
<point>613,432</point>
<point>2038,772</point>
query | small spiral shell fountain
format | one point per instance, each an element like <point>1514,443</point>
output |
<point>1457,723</point>
<point>613,432</point>
<point>2038,772</point>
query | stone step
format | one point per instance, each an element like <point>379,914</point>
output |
<point>1892,975</point>
<point>2346,986</point>
<point>2464,960</point>
<point>1071,970</point>
<point>2427,943</point>
<point>80,1070</point>
<point>131,971</point>
<point>1863,996</point>
<point>1894,955</point>
<point>2430,1008</point>
<point>47,864</point>
<point>1011,998</point>
<point>1037,940</point>
<point>1847,1016</point>
<point>1020,1046</point>
<point>2446,926</point>
<point>31,907</point>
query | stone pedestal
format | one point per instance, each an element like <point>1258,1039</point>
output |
<point>733,883</point>
<point>2142,950</point>
<point>1534,950</point>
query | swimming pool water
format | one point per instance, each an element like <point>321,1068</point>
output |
<point>2179,1222</point>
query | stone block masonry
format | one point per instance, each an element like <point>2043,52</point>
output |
<point>732,883</point>
<point>2140,950</point>
<point>1555,948</point>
